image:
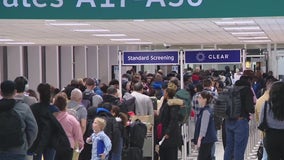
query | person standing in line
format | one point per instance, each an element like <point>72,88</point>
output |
<point>170,129</point>
<point>75,103</point>
<point>101,144</point>
<point>205,134</point>
<point>29,124</point>
<point>260,103</point>
<point>143,103</point>
<point>70,125</point>
<point>237,129</point>
<point>41,110</point>
<point>273,139</point>
<point>21,84</point>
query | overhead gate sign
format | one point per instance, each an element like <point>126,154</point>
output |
<point>138,9</point>
<point>213,56</point>
<point>151,58</point>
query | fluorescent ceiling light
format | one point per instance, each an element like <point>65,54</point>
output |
<point>242,28</point>
<point>5,40</point>
<point>138,20</point>
<point>247,33</point>
<point>256,41</point>
<point>91,30</point>
<point>138,42</point>
<point>19,43</point>
<point>125,39</point>
<point>69,24</point>
<point>229,23</point>
<point>109,35</point>
<point>252,38</point>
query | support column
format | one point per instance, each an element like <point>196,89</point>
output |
<point>14,62</point>
<point>52,65</point>
<point>92,62</point>
<point>34,66</point>
<point>66,65</point>
<point>103,64</point>
<point>1,63</point>
<point>80,57</point>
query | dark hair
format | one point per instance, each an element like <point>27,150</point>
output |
<point>20,84</point>
<point>44,92</point>
<point>111,90</point>
<point>113,82</point>
<point>7,88</point>
<point>207,95</point>
<point>60,101</point>
<point>106,105</point>
<point>276,99</point>
<point>206,83</point>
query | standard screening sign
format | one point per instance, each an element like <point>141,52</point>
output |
<point>213,56</point>
<point>151,57</point>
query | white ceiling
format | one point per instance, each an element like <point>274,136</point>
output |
<point>158,32</point>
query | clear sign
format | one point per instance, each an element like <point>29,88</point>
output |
<point>213,56</point>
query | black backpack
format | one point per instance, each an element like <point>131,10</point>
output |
<point>11,132</point>
<point>137,134</point>
<point>87,99</point>
<point>229,103</point>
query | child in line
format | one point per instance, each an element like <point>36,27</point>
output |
<point>101,144</point>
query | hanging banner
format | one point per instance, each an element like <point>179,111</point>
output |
<point>137,9</point>
<point>213,56</point>
<point>151,58</point>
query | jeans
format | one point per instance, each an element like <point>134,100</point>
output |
<point>237,132</point>
<point>117,155</point>
<point>48,154</point>
<point>12,156</point>
<point>264,154</point>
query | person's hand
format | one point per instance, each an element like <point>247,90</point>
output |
<point>103,156</point>
<point>167,136</point>
<point>89,140</point>
<point>199,142</point>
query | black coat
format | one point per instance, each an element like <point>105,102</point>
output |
<point>170,126</point>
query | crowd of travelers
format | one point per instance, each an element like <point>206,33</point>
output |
<point>89,119</point>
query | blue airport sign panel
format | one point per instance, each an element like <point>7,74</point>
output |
<point>213,56</point>
<point>151,57</point>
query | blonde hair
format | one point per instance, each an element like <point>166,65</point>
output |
<point>101,122</point>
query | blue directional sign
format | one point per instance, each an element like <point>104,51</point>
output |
<point>213,56</point>
<point>151,57</point>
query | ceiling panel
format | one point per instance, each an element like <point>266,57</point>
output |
<point>158,32</point>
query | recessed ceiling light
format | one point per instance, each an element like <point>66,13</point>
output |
<point>91,30</point>
<point>68,24</point>
<point>138,42</point>
<point>229,23</point>
<point>247,33</point>
<point>252,38</point>
<point>109,35</point>
<point>20,43</point>
<point>125,39</point>
<point>5,40</point>
<point>242,28</point>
